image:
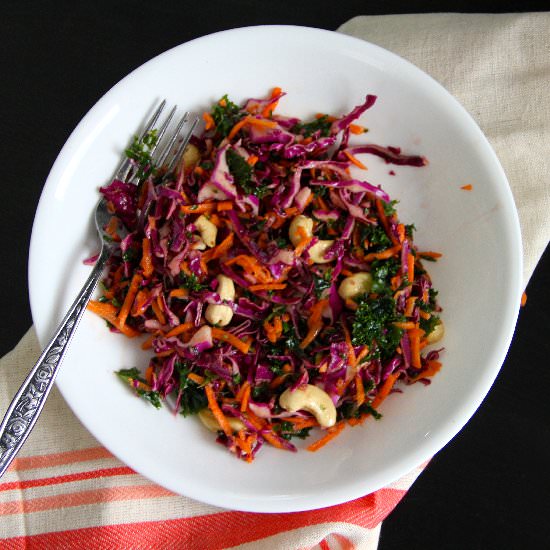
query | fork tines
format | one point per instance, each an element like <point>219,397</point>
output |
<point>173,144</point>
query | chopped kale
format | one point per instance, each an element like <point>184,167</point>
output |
<point>140,152</point>
<point>373,325</point>
<point>129,375</point>
<point>389,207</point>
<point>192,396</point>
<point>376,237</point>
<point>428,325</point>
<point>225,114</point>
<point>320,284</point>
<point>242,172</point>
<point>191,282</point>
<point>307,129</point>
<point>382,271</point>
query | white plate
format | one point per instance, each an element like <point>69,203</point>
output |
<point>479,277</point>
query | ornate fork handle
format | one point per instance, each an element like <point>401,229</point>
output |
<point>29,400</point>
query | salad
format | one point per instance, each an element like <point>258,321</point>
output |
<point>277,289</point>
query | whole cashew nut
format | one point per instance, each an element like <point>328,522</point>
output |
<point>208,231</point>
<point>220,314</point>
<point>312,399</point>
<point>437,333</point>
<point>191,156</point>
<point>297,223</point>
<point>355,285</point>
<point>318,250</point>
<point>209,420</point>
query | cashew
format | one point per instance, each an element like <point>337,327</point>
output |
<point>191,156</point>
<point>299,222</point>
<point>207,230</point>
<point>220,314</point>
<point>312,399</point>
<point>437,333</point>
<point>355,285</point>
<point>209,420</point>
<point>318,250</point>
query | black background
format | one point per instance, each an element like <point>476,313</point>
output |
<point>489,487</point>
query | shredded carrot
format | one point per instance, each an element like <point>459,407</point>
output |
<point>180,329</point>
<point>216,411</point>
<point>219,334</point>
<point>157,310</point>
<point>356,129</point>
<point>108,312</point>
<point>253,121</point>
<point>410,267</point>
<point>146,259</point>
<point>409,306</point>
<point>314,323</point>
<point>140,303</point>
<point>148,344</point>
<point>354,160</point>
<point>241,391</point>
<point>424,314</point>
<point>245,398</point>
<point>197,378</point>
<point>415,334</point>
<point>385,390</point>
<point>352,360</point>
<point>384,221</point>
<point>305,239</point>
<point>428,254</point>
<point>361,355</point>
<point>202,208</point>
<point>273,330</point>
<point>468,187</point>
<point>346,272</point>
<point>220,250</point>
<point>405,325</point>
<point>209,121</point>
<point>267,286</point>
<point>111,229</point>
<point>432,368</point>
<point>222,102</point>
<point>277,381</point>
<point>330,435</point>
<point>359,390</point>
<point>224,205</point>
<point>523,299</point>
<point>252,160</point>
<point>178,293</point>
<point>384,255</point>
<point>129,300</point>
<point>400,232</point>
<point>198,170</point>
<point>251,265</point>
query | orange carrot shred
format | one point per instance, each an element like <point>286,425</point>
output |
<point>196,378</point>
<point>468,187</point>
<point>180,329</point>
<point>245,398</point>
<point>128,301</point>
<point>359,390</point>
<point>108,312</point>
<point>146,259</point>
<point>209,121</point>
<point>354,160</point>
<point>523,299</point>
<point>220,334</point>
<point>216,411</point>
<point>385,390</point>
<point>330,435</point>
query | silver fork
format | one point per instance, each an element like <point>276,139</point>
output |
<point>27,404</point>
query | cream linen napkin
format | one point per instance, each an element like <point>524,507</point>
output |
<point>66,491</point>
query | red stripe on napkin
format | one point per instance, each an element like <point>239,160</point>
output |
<point>204,531</point>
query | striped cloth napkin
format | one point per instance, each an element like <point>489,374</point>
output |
<point>67,491</point>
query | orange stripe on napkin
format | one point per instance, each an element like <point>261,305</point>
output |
<point>204,531</point>
<point>58,459</point>
<point>27,484</point>
<point>96,496</point>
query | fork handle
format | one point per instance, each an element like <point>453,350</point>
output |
<point>27,404</point>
